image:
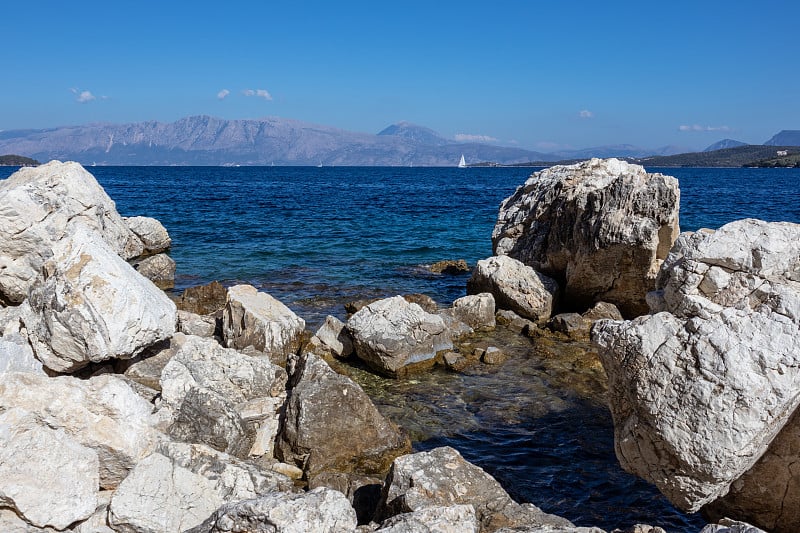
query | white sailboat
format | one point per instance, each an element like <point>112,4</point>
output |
<point>462,163</point>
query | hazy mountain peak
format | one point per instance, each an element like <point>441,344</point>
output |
<point>724,143</point>
<point>785,138</point>
<point>414,132</point>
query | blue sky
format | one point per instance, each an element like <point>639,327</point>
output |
<point>539,75</point>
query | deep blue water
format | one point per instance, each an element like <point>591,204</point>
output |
<point>319,237</point>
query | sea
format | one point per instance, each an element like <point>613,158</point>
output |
<point>317,238</point>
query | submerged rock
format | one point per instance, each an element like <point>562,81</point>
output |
<point>331,425</point>
<point>699,390</point>
<point>601,227</point>
<point>393,336</point>
<point>515,287</point>
<point>450,267</point>
<point>40,206</point>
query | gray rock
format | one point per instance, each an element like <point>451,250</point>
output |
<point>147,367</point>
<point>159,268</point>
<point>699,390</point>
<point>256,319</point>
<point>393,336</point>
<point>493,355</point>
<point>330,424</point>
<point>46,475</point>
<point>197,325</point>
<point>363,492</point>
<point>151,233</point>
<point>603,226</point>
<point>321,509</point>
<point>571,324</point>
<point>16,354</point>
<point>102,413</point>
<point>732,526</point>
<point>434,519</point>
<point>515,286</point>
<point>334,337</point>
<point>602,310</point>
<point>442,477</point>
<point>204,299</point>
<point>181,485</point>
<point>91,306</point>
<point>98,522</point>
<point>476,311</point>
<point>40,205</point>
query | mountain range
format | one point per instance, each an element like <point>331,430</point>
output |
<point>204,140</point>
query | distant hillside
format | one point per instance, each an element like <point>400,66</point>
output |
<point>724,143</point>
<point>785,138</point>
<point>727,157</point>
<point>17,161</point>
<point>790,160</point>
<point>204,140</point>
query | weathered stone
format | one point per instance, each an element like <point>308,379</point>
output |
<point>427,303</point>
<point>11,522</point>
<point>16,354</point>
<point>450,267</point>
<point>90,306</point>
<point>39,207</point>
<point>363,492</point>
<point>261,416</point>
<point>321,509</point>
<point>331,425</point>
<point>391,334</point>
<point>515,286</point>
<point>493,356</point>
<point>197,325</point>
<point>45,474</point>
<point>602,310</point>
<point>602,227</point>
<point>101,413</point>
<point>442,477</point>
<point>476,311</point>
<point>151,233</point>
<point>146,368</point>
<point>556,529</point>
<point>203,299</point>
<point>571,324</point>
<point>434,519</point>
<point>98,522</point>
<point>256,319</point>
<point>455,361</point>
<point>181,485</point>
<point>334,337</point>
<point>699,390</point>
<point>159,268</point>
<point>732,526</point>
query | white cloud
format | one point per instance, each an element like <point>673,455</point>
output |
<point>260,93</point>
<point>223,93</point>
<point>585,113</point>
<point>697,127</point>
<point>468,137</point>
<point>83,97</point>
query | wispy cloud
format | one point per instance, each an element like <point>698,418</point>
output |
<point>468,137</point>
<point>83,97</point>
<point>698,127</point>
<point>259,93</point>
<point>585,113</point>
<point>223,93</point>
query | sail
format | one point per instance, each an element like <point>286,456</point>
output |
<point>462,163</point>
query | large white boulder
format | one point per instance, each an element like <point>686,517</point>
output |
<point>45,474</point>
<point>515,287</point>
<point>700,389</point>
<point>253,318</point>
<point>391,335</point>
<point>90,306</point>
<point>601,227</point>
<point>38,206</point>
<point>103,414</point>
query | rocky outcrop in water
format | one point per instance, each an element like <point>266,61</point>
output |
<point>704,388</point>
<point>601,228</point>
<point>394,336</point>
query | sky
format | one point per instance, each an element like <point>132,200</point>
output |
<point>541,75</point>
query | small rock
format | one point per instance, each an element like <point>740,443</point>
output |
<point>427,303</point>
<point>334,336</point>
<point>602,310</point>
<point>455,361</point>
<point>436,518</point>
<point>573,325</point>
<point>493,356</point>
<point>204,299</point>
<point>151,232</point>
<point>449,267</point>
<point>159,268</point>
<point>477,311</point>
<point>198,325</point>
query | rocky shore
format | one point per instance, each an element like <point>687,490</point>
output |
<point>122,411</point>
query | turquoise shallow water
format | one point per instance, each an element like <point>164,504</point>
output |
<point>319,237</point>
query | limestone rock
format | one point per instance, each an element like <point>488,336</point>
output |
<point>256,319</point>
<point>102,413</point>
<point>16,354</point>
<point>363,492</point>
<point>731,526</point>
<point>601,311</point>
<point>146,368</point>
<point>197,325</point>
<point>571,324</point>
<point>151,233</point>
<point>203,299</point>
<point>699,390</point>
<point>46,475</point>
<point>322,509</point>
<point>601,226</point>
<point>331,425</point>
<point>98,522</point>
<point>434,519</point>
<point>392,334</point>
<point>449,266</point>
<point>427,303</point>
<point>515,286</point>
<point>476,311</point>
<point>39,206</point>
<point>442,477</point>
<point>334,337</point>
<point>159,268</point>
<point>181,485</point>
<point>90,306</point>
